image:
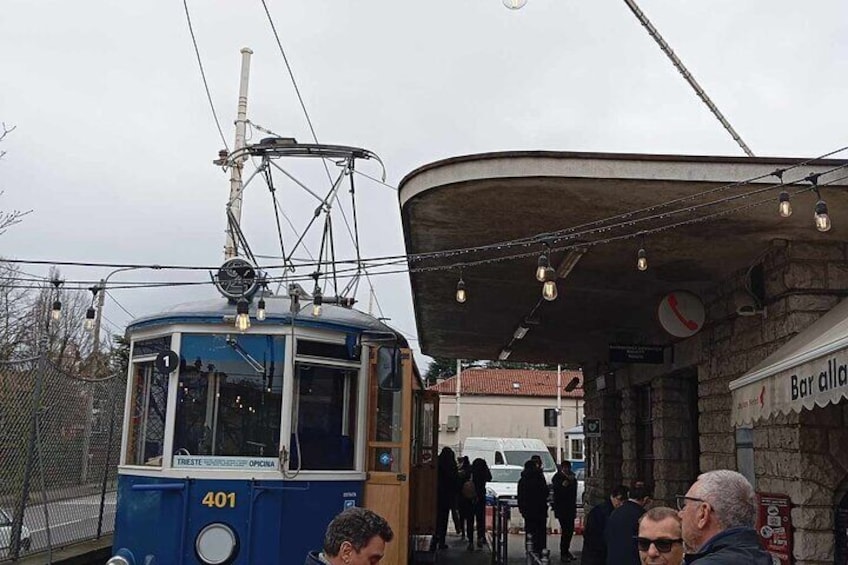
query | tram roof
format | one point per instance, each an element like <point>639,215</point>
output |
<point>278,312</point>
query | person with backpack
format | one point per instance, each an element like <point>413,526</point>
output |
<point>467,493</point>
<point>480,474</point>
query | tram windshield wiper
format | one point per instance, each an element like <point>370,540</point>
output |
<point>254,364</point>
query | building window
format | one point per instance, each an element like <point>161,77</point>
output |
<point>745,454</point>
<point>644,435</point>
<point>576,450</point>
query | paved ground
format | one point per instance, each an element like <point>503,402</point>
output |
<point>457,554</point>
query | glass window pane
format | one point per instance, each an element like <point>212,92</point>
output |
<point>229,396</point>
<point>324,417</point>
<point>148,405</point>
<point>389,412</point>
<point>385,459</point>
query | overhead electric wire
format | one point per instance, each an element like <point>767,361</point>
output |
<point>121,306</point>
<point>203,75</point>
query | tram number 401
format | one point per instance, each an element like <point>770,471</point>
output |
<point>219,500</point>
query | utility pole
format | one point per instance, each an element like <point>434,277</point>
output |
<point>236,166</point>
<point>458,386</point>
<point>89,404</point>
<point>559,413</point>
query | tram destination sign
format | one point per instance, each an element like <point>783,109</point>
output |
<point>650,354</point>
<point>217,462</point>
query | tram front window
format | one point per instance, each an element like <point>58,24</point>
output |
<point>324,417</point>
<point>229,396</point>
<point>148,405</point>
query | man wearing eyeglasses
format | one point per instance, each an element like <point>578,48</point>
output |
<point>717,516</point>
<point>660,541</point>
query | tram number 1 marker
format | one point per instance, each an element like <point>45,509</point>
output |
<point>219,500</point>
<point>167,362</point>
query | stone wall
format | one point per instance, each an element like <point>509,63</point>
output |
<point>806,455</point>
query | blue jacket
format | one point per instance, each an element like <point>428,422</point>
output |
<point>734,546</point>
<point>621,530</point>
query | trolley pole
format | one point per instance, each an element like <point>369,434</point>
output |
<point>236,187</point>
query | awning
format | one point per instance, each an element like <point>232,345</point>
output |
<point>810,370</point>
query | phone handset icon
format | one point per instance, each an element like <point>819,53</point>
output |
<point>675,307</point>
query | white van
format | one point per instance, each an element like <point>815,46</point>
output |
<point>509,451</point>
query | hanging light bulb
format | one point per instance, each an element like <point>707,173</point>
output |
<point>461,294</point>
<point>242,316</point>
<point>56,310</point>
<point>514,4</point>
<point>822,219</point>
<point>260,310</point>
<point>541,265</point>
<point>785,206</point>
<point>317,301</point>
<point>549,288</point>
<point>642,260</point>
<point>89,318</point>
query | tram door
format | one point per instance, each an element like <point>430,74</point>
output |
<point>389,443</point>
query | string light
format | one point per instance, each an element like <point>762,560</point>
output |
<point>317,301</point>
<point>242,315</point>
<point>56,309</point>
<point>260,309</point>
<point>514,4</point>
<point>549,288</point>
<point>642,259</point>
<point>784,206</point>
<point>89,318</point>
<point>461,294</point>
<point>821,217</point>
<point>541,265</point>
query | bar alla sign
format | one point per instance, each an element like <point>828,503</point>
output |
<point>825,377</point>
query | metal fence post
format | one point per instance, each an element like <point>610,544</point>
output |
<point>18,519</point>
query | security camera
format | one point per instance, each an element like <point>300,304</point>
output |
<point>746,305</point>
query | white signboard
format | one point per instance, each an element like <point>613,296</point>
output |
<point>681,313</point>
<point>814,383</point>
<point>218,462</point>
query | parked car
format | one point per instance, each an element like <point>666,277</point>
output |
<point>6,532</point>
<point>504,483</point>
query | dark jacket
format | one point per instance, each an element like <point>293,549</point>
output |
<point>313,559</point>
<point>594,526</point>
<point>731,547</point>
<point>565,495</point>
<point>622,528</point>
<point>447,481</point>
<point>481,475</point>
<point>533,494</point>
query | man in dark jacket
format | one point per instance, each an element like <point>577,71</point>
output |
<point>594,526</point>
<point>623,527</point>
<point>717,515</point>
<point>564,485</point>
<point>355,537</point>
<point>533,504</point>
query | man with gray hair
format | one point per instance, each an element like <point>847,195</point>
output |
<point>717,515</point>
<point>357,536</point>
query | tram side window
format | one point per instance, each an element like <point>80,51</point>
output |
<point>229,396</point>
<point>324,417</point>
<point>147,416</point>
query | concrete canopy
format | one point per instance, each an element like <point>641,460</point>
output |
<point>482,199</point>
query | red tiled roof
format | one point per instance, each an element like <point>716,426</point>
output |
<point>511,382</point>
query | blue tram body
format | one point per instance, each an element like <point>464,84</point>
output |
<point>244,452</point>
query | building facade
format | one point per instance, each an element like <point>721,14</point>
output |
<point>507,403</point>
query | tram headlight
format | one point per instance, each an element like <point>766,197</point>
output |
<point>216,544</point>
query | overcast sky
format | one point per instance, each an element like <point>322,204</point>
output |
<point>115,137</point>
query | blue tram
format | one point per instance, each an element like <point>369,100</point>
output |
<point>239,447</point>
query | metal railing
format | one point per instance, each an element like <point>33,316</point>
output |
<point>59,444</point>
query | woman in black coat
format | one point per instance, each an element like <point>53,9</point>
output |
<point>446,491</point>
<point>533,504</point>
<point>481,475</point>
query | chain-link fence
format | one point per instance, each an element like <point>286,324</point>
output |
<point>59,446</point>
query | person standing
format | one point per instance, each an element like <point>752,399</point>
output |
<point>465,500</point>
<point>357,536</point>
<point>533,504</point>
<point>446,491</point>
<point>481,475</point>
<point>660,540</point>
<point>623,527</point>
<point>717,514</point>
<point>564,484</point>
<point>595,525</point>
